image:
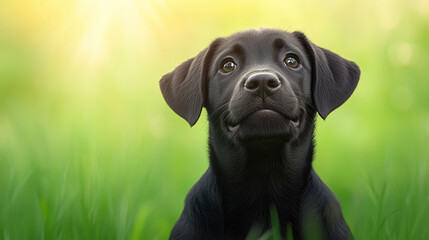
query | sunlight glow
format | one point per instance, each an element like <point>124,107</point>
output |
<point>107,23</point>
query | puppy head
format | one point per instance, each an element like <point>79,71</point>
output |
<point>260,84</point>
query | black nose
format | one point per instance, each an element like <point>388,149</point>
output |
<point>262,84</point>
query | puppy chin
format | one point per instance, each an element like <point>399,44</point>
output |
<point>264,125</point>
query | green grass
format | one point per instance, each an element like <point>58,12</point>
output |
<point>89,149</point>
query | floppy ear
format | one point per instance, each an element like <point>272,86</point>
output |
<point>184,89</point>
<point>333,78</point>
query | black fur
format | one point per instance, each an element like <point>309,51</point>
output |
<point>260,134</point>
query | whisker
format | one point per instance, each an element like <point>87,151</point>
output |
<point>220,109</point>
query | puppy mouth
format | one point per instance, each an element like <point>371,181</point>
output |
<point>295,122</point>
<point>265,115</point>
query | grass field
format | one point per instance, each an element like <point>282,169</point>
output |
<point>90,150</point>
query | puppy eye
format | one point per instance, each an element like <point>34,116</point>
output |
<point>292,61</point>
<point>228,65</point>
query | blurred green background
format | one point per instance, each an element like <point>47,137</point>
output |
<point>90,150</point>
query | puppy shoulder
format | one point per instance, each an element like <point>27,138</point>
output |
<point>321,211</point>
<point>202,216</point>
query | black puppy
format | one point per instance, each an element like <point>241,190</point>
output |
<point>262,89</point>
